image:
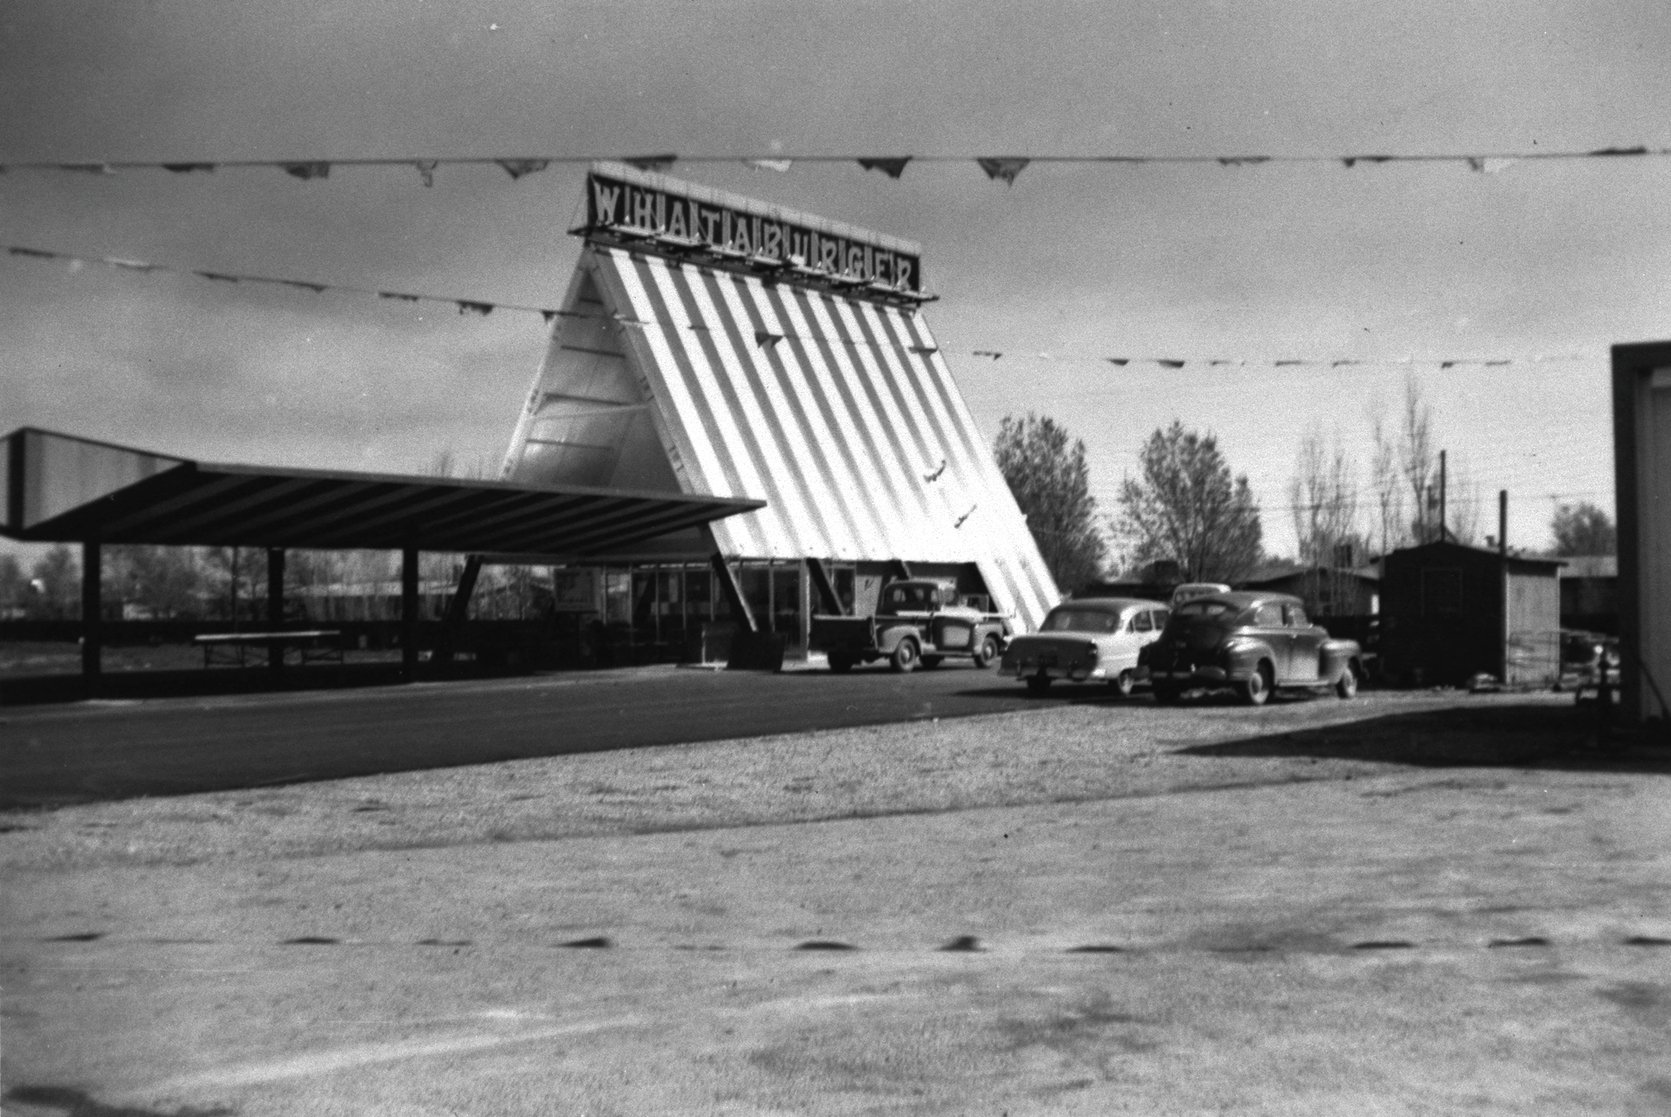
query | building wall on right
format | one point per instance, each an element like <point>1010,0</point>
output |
<point>1642,472</point>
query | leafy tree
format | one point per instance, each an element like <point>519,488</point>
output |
<point>1187,508</point>
<point>163,580</point>
<point>1583,529</point>
<point>56,579</point>
<point>1051,483</point>
<point>14,587</point>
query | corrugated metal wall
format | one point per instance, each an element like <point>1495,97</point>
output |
<point>840,413</point>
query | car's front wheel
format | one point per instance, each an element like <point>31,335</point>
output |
<point>905,656</point>
<point>1038,684</point>
<point>986,651</point>
<point>1123,684</point>
<point>1167,694</point>
<point>1347,685</point>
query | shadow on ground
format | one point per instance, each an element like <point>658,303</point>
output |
<point>33,690</point>
<point>1532,735</point>
<point>76,1103</point>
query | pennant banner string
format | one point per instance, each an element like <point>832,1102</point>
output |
<point>482,308</point>
<point>1004,168</point>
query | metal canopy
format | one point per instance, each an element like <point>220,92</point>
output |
<point>62,488</point>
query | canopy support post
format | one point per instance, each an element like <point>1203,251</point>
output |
<point>408,614</point>
<point>92,617</point>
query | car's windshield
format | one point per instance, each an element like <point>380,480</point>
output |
<point>1198,609</point>
<point>1081,620</point>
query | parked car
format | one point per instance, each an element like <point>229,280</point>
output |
<point>1085,640</point>
<point>1189,591</point>
<point>1254,643</point>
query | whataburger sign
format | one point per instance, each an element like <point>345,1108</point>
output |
<point>620,201</point>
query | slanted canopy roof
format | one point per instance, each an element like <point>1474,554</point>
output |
<point>61,488</point>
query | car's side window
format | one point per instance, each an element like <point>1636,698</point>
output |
<point>1161,617</point>
<point>1142,623</point>
<point>1296,617</point>
<point>1268,616</point>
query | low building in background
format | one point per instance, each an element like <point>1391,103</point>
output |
<point>1451,612</point>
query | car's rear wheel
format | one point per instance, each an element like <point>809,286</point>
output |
<point>986,651</point>
<point>841,663</point>
<point>1256,690</point>
<point>932,660</point>
<point>1123,683</point>
<point>1038,684</point>
<point>1347,685</point>
<point>1167,694</point>
<point>905,657</point>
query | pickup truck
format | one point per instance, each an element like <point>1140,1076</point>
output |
<point>918,621</point>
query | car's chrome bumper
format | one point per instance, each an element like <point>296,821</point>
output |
<point>1197,675</point>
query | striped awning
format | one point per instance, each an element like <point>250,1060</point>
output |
<point>838,410</point>
<point>61,488</point>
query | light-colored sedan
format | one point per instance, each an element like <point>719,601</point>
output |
<point>1085,640</point>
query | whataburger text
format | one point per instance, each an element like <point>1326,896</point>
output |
<point>613,202</point>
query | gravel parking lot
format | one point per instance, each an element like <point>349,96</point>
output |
<point>1409,903</point>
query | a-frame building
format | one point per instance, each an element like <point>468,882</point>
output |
<point>710,344</point>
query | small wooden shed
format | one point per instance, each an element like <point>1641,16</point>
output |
<point>1450,612</point>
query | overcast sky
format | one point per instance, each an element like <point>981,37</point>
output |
<point>1379,263</point>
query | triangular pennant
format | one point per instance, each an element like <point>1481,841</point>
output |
<point>398,295</point>
<point>779,165</point>
<point>305,171</point>
<point>1284,364</point>
<point>766,339</point>
<point>1489,164</point>
<point>316,288</point>
<point>892,167</point>
<point>547,316</point>
<point>131,265</point>
<point>1243,160</point>
<point>1005,167</point>
<point>479,309</point>
<point>1351,160</point>
<point>993,353</point>
<point>426,170</point>
<point>1164,362</point>
<point>1120,361</point>
<point>516,168</point>
<point>1621,151</point>
<point>189,168</point>
<point>35,252</point>
<point>87,168</point>
<point>220,276</point>
<point>652,162</point>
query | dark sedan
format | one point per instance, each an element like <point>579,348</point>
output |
<point>1253,643</point>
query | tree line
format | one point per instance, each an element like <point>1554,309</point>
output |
<point>1185,507</point>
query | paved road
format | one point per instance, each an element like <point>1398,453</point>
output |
<point>100,751</point>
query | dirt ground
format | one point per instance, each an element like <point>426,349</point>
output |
<point>1411,903</point>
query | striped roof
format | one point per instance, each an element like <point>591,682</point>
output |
<point>837,411</point>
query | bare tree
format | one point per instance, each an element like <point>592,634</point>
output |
<point>1386,487</point>
<point>1323,497</point>
<point>1418,461</point>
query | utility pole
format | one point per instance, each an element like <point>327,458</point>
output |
<point>1443,532</point>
